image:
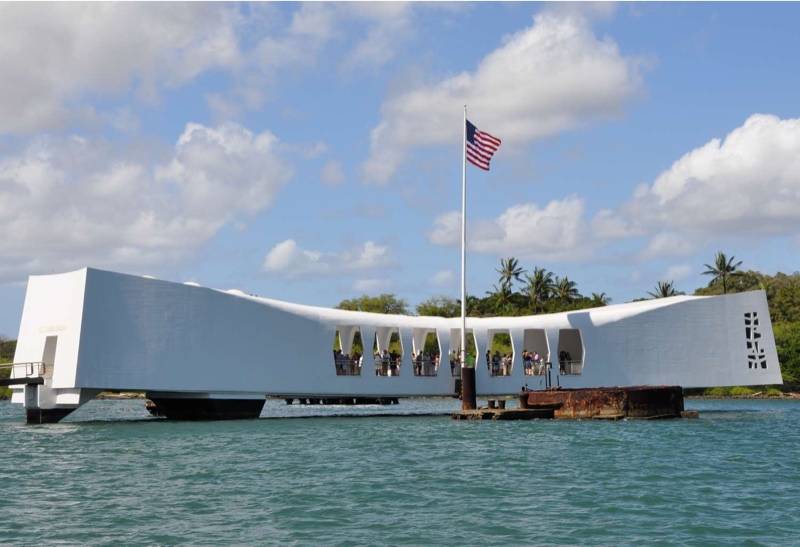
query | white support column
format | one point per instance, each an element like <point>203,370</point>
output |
<point>368,340</point>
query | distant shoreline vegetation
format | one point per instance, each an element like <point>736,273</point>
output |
<point>7,349</point>
<point>739,392</point>
<point>519,293</point>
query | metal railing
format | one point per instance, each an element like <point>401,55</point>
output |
<point>573,367</point>
<point>426,367</point>
<point>535,368</point>
<point>347,367</point>
<point>33,369</point>
<point>502,370</point>
<point>500,367</point>
<point>385,366</point>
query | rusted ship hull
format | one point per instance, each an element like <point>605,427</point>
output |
<point>639,402</point>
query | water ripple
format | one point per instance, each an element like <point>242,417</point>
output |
<point>109,475</point>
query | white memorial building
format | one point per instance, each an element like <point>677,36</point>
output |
<point>91,330</point>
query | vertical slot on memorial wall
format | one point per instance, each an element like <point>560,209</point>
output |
<point>427,352</point>
<point>49,356</point>
<point>536,351</point>
<point>570,352</point>
<point>499,356</point>
<point>455,349</point>
<point>387,352</point>
<point>347,350</point>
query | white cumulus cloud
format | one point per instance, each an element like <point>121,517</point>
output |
<point>73,202</point>
<point>747,184</point>
<point>53,55</point>
<point>744,185</point>
<point>389,24</point>
<point>547,78</point>
<point>370,34</point>
<point>555,232</point>
<point>288,259</point>
<point>227,168</point>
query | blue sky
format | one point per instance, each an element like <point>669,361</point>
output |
<point>312,152</point>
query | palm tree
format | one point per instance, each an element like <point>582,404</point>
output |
<point>539,287</point>
<point>509,268</point>
<point>664,289</point>
<point>502,295</point>
<point>599,300</point>
<point>473,303</point>
<point>722,269</point>
<point>565,290</point>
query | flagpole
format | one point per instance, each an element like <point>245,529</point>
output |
<point>468,390</point>
<point>464,243</point>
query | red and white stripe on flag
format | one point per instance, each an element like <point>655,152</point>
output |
<point>481,146</point>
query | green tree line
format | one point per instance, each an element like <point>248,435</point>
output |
<point>7,348</point>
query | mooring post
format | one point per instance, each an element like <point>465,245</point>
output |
<point>468,401</point>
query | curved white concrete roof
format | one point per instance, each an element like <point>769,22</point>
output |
<point>599,315</point>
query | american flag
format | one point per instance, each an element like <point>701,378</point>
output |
<point>480,147</point>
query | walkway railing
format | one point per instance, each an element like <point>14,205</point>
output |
<point>14,374</point>
<point>386,367</point>
<point>348,367</point>
<point>33,369</point>
<point>501,370</point>
<point>535,368</point>
<point>573,367</point>
<point>425,367</point>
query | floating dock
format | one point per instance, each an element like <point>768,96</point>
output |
<point>606,403</point>
<point>504,414</point>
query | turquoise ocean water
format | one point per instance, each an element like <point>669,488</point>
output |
<point>111,475</point>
